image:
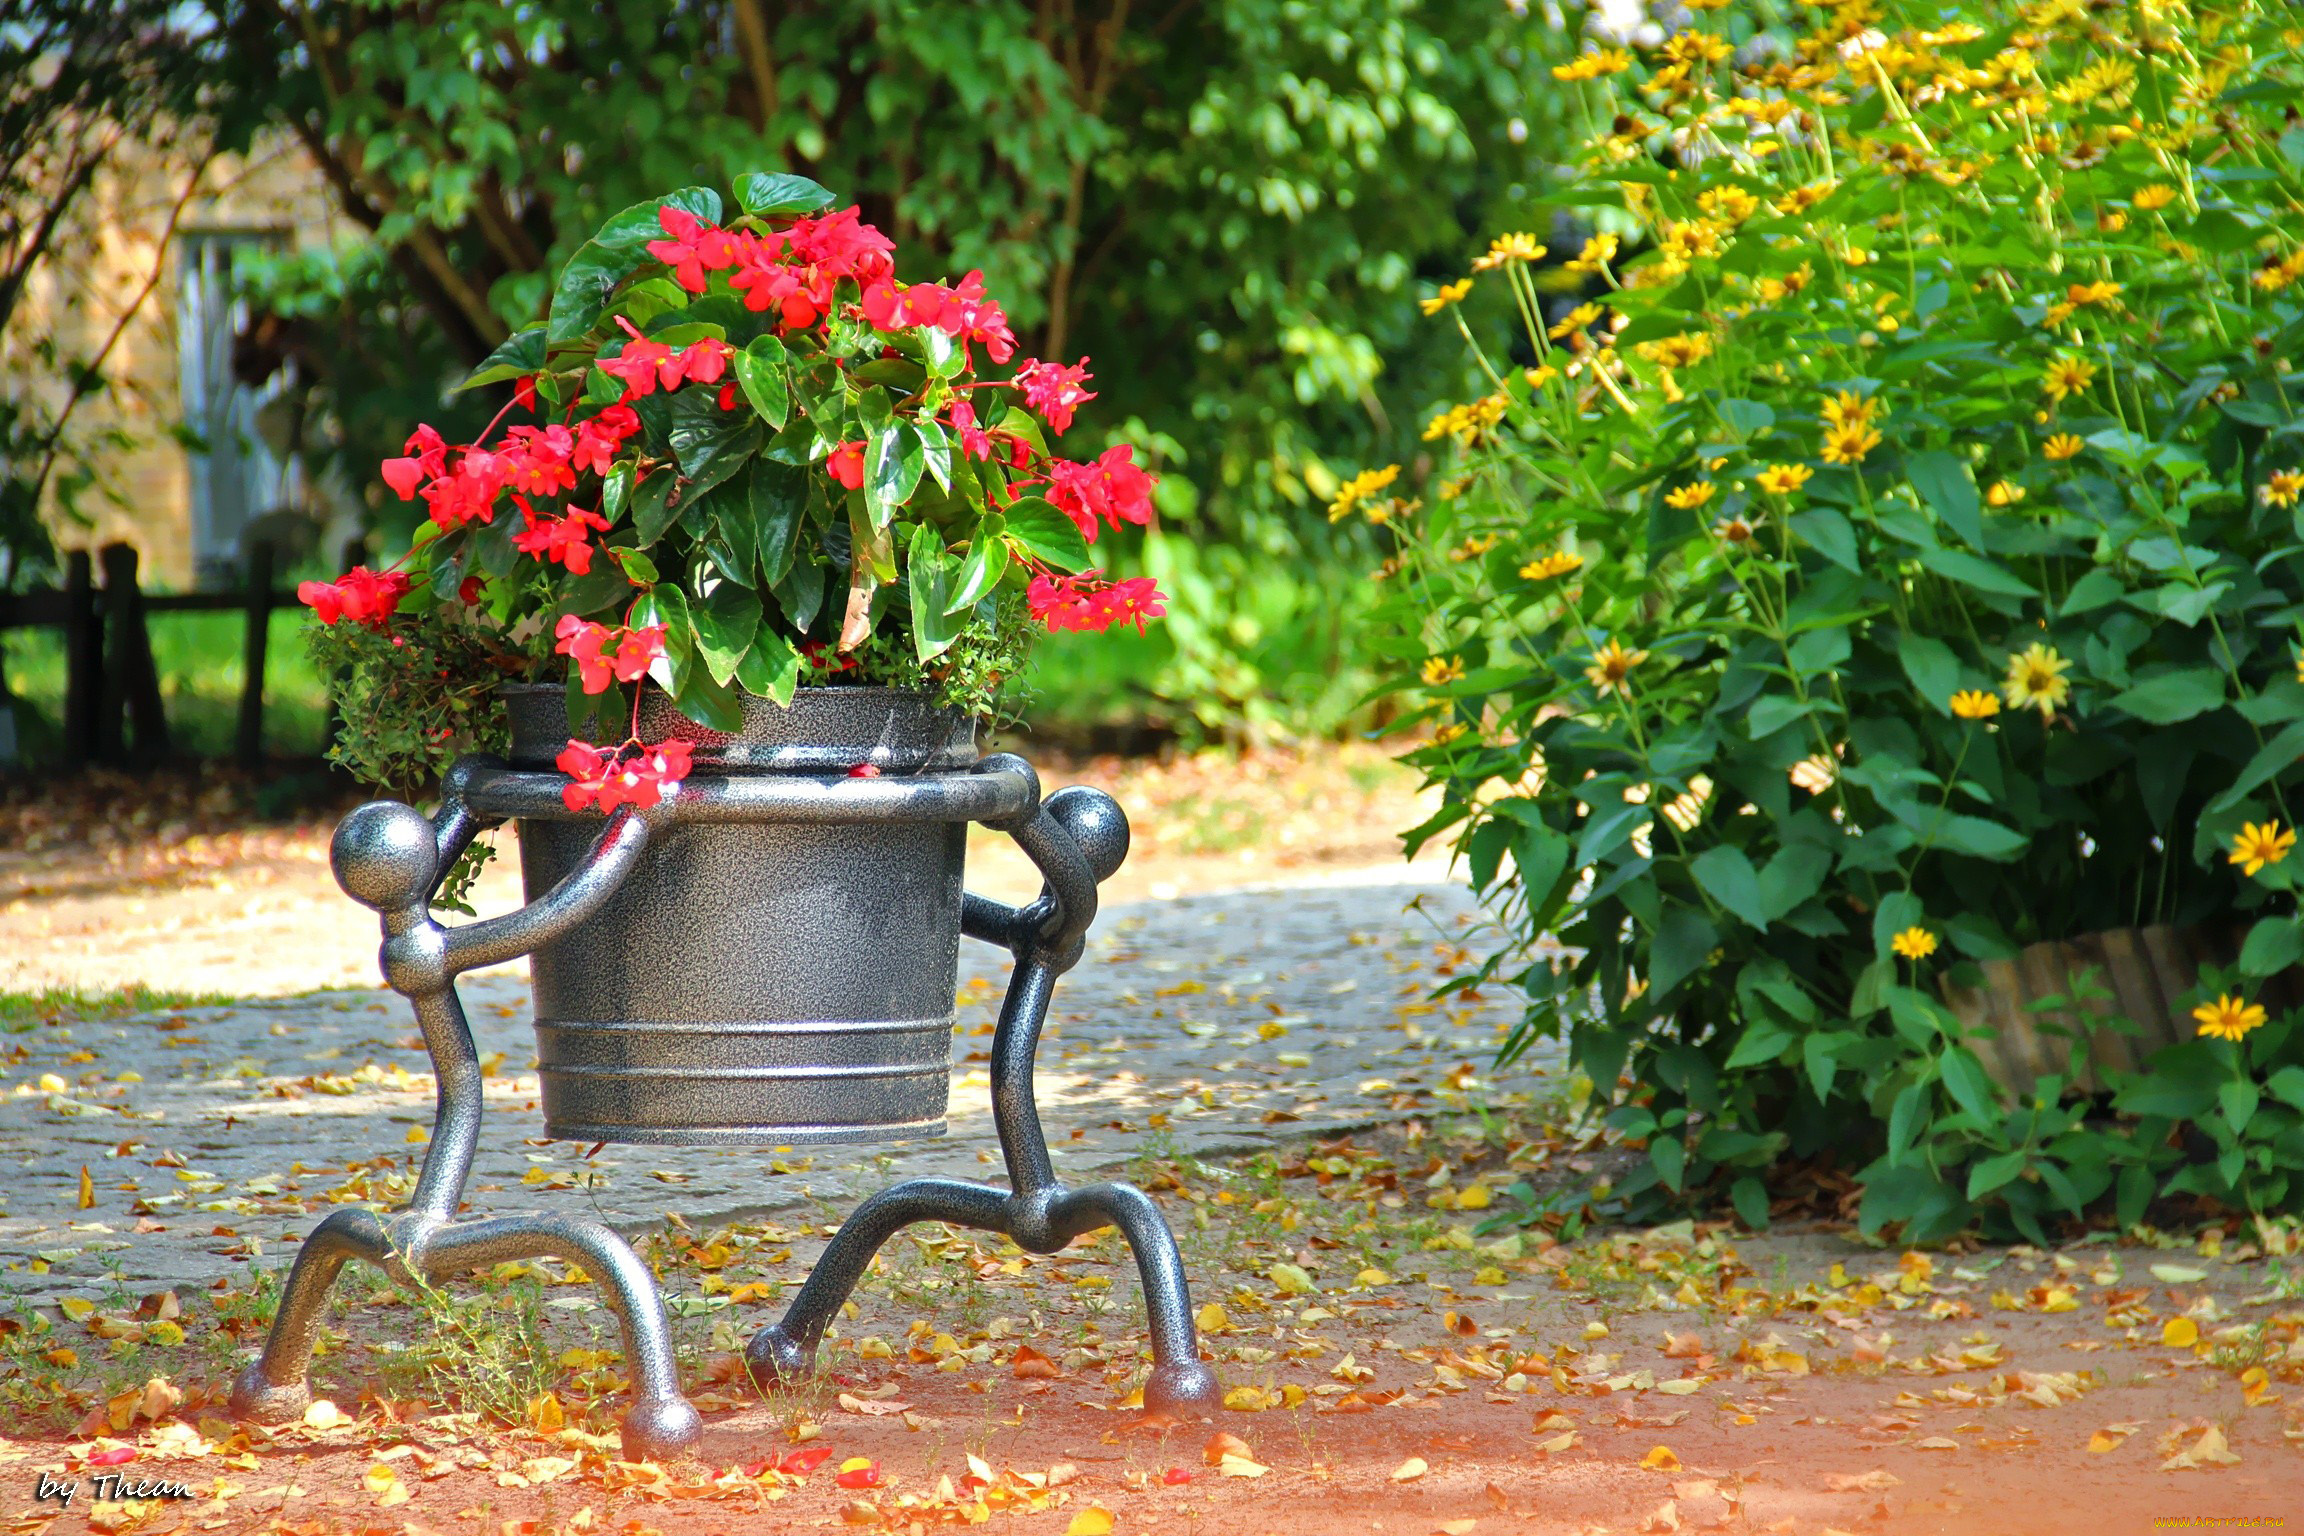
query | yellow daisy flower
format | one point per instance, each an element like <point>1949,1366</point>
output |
<point>1784,479</point>
<point>1591,66</point>
<point>1914,943</point>
<point>1975,704</point>
<point>2067,376</point>
<point>2150,198</point>
<point>2228,1018</point>
<point>1439,670</point>
<point>1449,294</point>
<point>1558,563</point>
<point>2062,446</point>
<point>1694,494</point>
<point>1508,248</point>
<point>2257,845</point>
<point>1359,488</point>
<point>2036,678</point>
<point>2283,487</point>
<point>1849,444</point>
<point>1612,667</point>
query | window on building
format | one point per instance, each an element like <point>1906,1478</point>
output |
<point>238,477</point>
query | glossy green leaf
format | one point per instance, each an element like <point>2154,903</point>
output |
<point>932,573</point>
<point>760,370</point>
<point>590,277</point>
<point>780,194</point>
<point>980,571</point>
<point>725,621</point>
<point>1047,534</point>
<point>520,354</point>
<point>770,669</point>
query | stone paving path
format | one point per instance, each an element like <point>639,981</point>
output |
<point>214,1138</point>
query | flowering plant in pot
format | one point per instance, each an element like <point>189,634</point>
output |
<point>738,457</point>
<point>761,508</point>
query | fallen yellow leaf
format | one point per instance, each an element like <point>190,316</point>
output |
<point>2180,1333</point>
<point>1212,1319</point>
<point>1660,1459</point>
<point>1410,1470</point>
<point>1292,1281</point>
<point>1092,1521</point>
<point>2211,1449</point>
<point>1557,1444</point>
<point>1239,1466</point>
<point>87,1189</point>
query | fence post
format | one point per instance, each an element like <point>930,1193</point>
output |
<point>135,680</point>
<point>83,661</point>
<point>252,646</point>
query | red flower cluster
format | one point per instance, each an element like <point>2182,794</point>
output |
<point>631,774</point>
<point>1112,488</point>
<point>1084,603</point>
<point>559,538</point>
<point>601,653</point>
<point>643,364</point>
<point>598,439</point>
<point>531,461</point>
<point>360,594</point>
<point>792,271</point>
<point>961,312</point>
<point>1053,389</point>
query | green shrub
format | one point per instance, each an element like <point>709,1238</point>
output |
<point>1892,560</point>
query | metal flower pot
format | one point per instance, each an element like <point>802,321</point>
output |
<point>756,983</point>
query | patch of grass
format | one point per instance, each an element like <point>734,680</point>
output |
<point>22,1011</point>
<point>198,656</point>
<point>483,1351</point>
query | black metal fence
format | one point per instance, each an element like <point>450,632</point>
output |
<point>113,713</point>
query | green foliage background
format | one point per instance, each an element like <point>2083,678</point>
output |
<point>1226,206</point>
<point>1897,559</point>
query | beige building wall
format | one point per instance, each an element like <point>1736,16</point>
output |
<point>120,266</point>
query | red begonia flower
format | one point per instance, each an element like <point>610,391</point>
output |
<point>360,595</point>
<point>404,475</point>
<point>1112,488</point>
<point>846,464</point>
<point>631,774</point>
<point>1054,390</point>
<point>975,442</point>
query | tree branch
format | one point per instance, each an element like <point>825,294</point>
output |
<point>760,63</point>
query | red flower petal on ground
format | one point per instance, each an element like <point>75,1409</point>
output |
<point>866,1476</point>
<point>805,1460</point>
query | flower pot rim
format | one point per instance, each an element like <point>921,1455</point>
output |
<point>828,729</point>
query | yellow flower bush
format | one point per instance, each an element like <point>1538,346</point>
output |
<point>1907,448</point>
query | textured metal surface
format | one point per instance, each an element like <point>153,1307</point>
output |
<point>389,857</point>
<point>1077,838</point>
<point>816,1003</point>
<point>827,730</point>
